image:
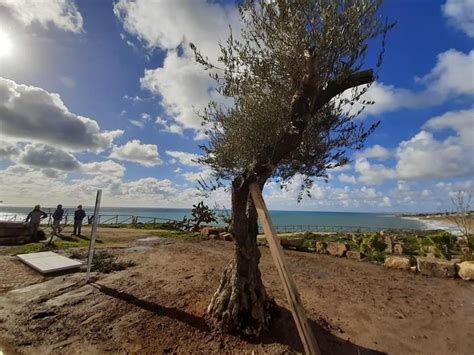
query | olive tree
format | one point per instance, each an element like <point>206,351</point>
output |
<point>291,74</point>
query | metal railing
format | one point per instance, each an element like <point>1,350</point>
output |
<point>118,219</point>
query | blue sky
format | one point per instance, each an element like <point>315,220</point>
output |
<point>101,94</point>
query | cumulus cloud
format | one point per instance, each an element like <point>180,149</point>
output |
<point>62,14</point>
<point>184,158</point>
<point>169,127</point>
<point>442,83</point>
<point>347,179</point>
<point>8,150</point>
<point>460,14</point>
<point>53,162</point>
<point>29,113</point>
<point>183,85</point>
<point>425,157</point>
<point>45,156</point>
<point>376,151</point>
<point>107,167</point>
<point>135,151</point>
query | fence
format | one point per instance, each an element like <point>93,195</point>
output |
<point>106,219</point>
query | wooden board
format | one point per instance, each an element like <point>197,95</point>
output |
<point>48,262</point>
<point>297,310</point>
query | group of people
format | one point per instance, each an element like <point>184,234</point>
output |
<point>35,217</point>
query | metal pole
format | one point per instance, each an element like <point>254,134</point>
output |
<point>93,233</point>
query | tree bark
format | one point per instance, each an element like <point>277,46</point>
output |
<point>240,303</point>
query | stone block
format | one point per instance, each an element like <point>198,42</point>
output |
<point>321,247</point>
<point>225,236</point>
<point>356,255</point>
<point>398,249</point>
<point>337,249</point>
<point>466,270</point>
<point>293,242</point>
<point>397,262</point>
<point>436,267</point>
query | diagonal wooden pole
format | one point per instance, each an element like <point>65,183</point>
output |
<point>93,233</point>
<point>297,310</point>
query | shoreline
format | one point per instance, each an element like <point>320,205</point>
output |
<point>433,224</point>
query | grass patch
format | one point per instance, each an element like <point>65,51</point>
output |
<point>39,247</point>
<point>176,234</point>
<point>105,262</point>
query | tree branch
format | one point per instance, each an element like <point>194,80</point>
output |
<point>300,112</point>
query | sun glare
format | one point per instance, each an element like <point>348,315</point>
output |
<point>6,45</point>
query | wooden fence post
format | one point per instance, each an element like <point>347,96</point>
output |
<point>296,306</point>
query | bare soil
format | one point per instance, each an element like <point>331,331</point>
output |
<point>159,306</point>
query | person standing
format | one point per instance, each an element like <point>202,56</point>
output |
<point>34,218</point>
<point>57,217</point>
<point>79,215</point>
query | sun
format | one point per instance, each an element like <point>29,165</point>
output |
<point>6,45</point>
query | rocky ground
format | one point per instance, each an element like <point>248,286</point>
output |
<point>159,305</point>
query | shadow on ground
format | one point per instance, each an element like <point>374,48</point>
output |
<point>283,330</point>
<point>192,320</point>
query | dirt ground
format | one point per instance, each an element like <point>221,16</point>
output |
<point>159,306</point>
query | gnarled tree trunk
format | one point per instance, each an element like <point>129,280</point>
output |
<point>241,303</point>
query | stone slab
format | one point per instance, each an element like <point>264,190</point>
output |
<point>48,262</point>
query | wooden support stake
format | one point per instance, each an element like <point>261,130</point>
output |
<point>93,233</point>
<point>297,310</point>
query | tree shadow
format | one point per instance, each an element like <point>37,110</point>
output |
<point>283,331</point>
<point>192,320</point>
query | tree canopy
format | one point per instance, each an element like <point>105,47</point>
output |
<point>286,74</point>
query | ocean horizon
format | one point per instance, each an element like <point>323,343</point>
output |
<point>366,220</point>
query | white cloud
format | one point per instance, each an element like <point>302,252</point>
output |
<point>182,84</point>
<point>135,151</point>
<point>376,151</point>
<point>460,14</point>
<point>447,78</point>
<point>205,174</point>
<point>141,123</point>
<point>107,167</point>
<point>461,122</point>
<point>61,13</point>
<point>442,83</point>
<point>169,127</point>
<point>29,113</point>
<point>426,157</point>
<point>347,179</point>
<point>184,158</point>
<point>184,87</point>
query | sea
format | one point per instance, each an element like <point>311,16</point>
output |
<point>282,220</point>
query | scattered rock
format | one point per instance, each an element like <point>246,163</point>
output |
<point>207,231</point>
<point>225,236</point>
<point>398,249</point>
<point>357,255</point>
<point>436,267</point>
<point>293,242</point>
<point>337,249</point>
<point>466,270</point>
<point>213,236</point>
<point>389,245</point>
<point>397,262</point>
<point>321,247</point>
<point>462,241</point>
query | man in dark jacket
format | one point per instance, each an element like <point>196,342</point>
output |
<point>57,216</point>
<point>35,217</point>
<point>79,215</point>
